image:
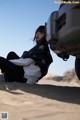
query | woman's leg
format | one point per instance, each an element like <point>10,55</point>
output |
<point>13,72</point>
<point>12,55</point>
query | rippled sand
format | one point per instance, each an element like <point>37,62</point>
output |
<point>48,100</point>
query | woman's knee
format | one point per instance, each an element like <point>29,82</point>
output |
<point>1,58</point>
<point>2,61</point>
<point>12,55</point>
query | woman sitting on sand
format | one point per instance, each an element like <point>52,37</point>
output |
<point>32,65</point>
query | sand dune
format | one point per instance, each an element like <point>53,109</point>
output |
<point>49,99</point>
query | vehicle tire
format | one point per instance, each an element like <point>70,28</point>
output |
<point>77,67</point>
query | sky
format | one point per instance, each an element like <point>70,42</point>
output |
<point>18,21</point>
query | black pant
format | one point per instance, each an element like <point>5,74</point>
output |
<point>11,71</point>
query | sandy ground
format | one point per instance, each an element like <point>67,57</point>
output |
<point>47,100</point>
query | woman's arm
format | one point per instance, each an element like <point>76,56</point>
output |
<point>22,62</point>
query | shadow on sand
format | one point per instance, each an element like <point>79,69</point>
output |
<point>60,93</point>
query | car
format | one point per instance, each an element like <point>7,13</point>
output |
<point>63,31</point>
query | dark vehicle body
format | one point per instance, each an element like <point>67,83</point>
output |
<point>63,31</point>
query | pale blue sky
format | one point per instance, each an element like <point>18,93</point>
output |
<point>18,22</point>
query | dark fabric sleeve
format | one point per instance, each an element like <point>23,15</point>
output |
<point>24,55</point>
<point>35,53</point>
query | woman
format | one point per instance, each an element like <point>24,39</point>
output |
<point>32,65</point>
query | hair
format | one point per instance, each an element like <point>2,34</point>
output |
<point>40,29</point>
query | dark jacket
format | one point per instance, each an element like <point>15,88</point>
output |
<point>41,55</point>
